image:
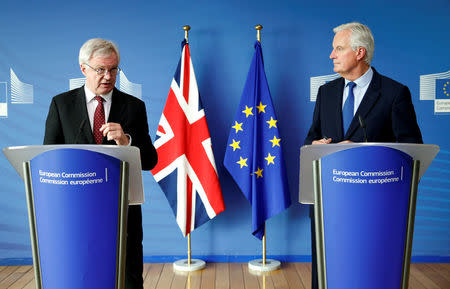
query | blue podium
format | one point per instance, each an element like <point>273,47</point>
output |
<point>77,205</point>
<point>364,204</point>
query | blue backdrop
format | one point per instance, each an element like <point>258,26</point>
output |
<point>39,44</point>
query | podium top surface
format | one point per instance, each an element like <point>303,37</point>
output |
<point>308,153</point>
<point>20,154</point>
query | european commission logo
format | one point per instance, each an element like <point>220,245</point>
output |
<point>125,85</point>
<point>436,87</point>
<point>21,93</point>
<point>318,81</point>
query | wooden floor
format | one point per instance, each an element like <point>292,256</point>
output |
<point>234,275</point>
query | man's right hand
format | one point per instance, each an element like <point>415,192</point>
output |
<point>322,141</point>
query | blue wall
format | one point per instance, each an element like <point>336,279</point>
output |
<point>39,41</point>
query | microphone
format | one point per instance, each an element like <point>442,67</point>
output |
<point>363,126</point>
<point>79,130</point>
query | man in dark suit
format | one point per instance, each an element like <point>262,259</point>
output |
<point>361,105</point>
<point>99,113</point>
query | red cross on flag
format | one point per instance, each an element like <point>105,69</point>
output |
<point>186,170</point>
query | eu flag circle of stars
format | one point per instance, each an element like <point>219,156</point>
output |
<point>239,131</point>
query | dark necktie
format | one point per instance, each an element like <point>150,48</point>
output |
<point>99,120</point>
<point>347,111</point>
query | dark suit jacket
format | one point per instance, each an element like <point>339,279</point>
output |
<point>68,122</point>
<point>386,109</point>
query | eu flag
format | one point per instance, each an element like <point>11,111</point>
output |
<point>253,156</point>
<point>443,88</point>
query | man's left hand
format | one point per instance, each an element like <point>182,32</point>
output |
<point>114,131</point>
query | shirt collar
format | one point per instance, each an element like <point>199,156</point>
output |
<point>90,95</point>
<point>363,80</point>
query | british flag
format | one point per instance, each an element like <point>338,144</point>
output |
<point>186,170</point>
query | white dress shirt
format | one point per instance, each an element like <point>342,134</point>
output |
<point>362,84</point>
<point>91,104</point>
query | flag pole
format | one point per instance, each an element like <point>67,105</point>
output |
<point>263,265</point>
<point>190,264</point>
<point>189,249</point>
<point>258,37</point>
<point>186,29</point>
<point>264,245</point>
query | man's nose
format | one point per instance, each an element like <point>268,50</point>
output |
<point>332,55</point>
<point>107,74</point>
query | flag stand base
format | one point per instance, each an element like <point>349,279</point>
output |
<point>258,266</point>
<point>184,266</point>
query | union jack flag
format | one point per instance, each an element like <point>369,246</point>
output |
<point>186,170</point>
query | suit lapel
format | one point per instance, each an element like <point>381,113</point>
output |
<point>118,107</point>
<point>117,112</point>
<point>336,101</point>
<point>369,99</point>
<point>79,105</point>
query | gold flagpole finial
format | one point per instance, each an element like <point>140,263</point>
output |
<point>258,32</point>
<point>186,28</point>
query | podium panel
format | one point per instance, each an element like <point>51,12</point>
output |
<point>130,154</point>
<point>425,153</point>
<point>78,211</point>
<point>362,209</point>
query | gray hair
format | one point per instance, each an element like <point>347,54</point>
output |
<point>95,47</point>
<point>361,37</point>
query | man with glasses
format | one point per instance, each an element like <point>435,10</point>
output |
<point>98,113</point>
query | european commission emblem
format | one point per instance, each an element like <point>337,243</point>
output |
<point>3,99</point>
<point>21,93</point>
<point>436,87</point>
<point>317,81</point>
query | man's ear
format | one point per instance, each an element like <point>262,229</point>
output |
<point>83,69</point>
<point>361,53</point>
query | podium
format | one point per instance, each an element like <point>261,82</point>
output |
<point>364,197</point>
<point>77,197</point>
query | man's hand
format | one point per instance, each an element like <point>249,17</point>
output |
<point>114,131</point>
<point>322,141</point>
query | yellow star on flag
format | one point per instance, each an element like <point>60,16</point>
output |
<point>235,145</point>
<point>275,141</point>
<point>242,162</point>
<point>248,111</point>
<point>259,173</point>
<point>261,107</point>
<point>272,122</point>
<point>269,159</point>
<point>237,126</point>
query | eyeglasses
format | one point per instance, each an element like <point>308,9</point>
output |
<point>104,71</point>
